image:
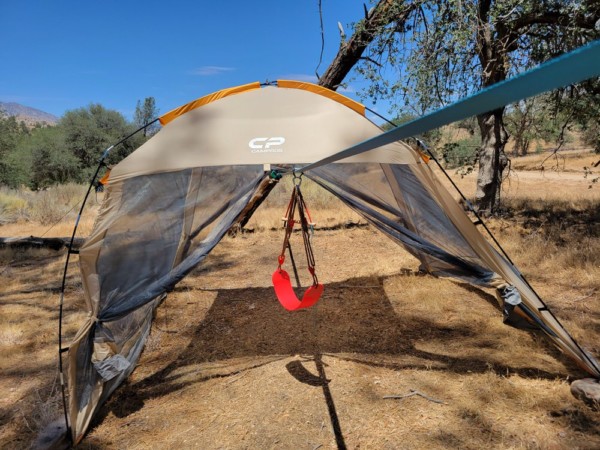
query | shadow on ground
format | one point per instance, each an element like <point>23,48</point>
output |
<point>351,322</point>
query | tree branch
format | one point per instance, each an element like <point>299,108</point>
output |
<point>552,18</point>
<point>350,52</point>
<point>517,26</point>
<point>371,60</point>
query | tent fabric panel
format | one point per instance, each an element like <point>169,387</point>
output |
<point>200,248</point>
<point>123,289</point>
<point>151,216</point>
<point>464,254</point>
<point>428,217</point>
<point>140,246</point>
<point>286,84</point>
<point>262,126</point>
<point>173,114</point>
<point>89,390</point>
<point>496,262</point>
<point>404,205</point>
<point>189,212</point>
<point>352,104</point>
<point>370,195</point>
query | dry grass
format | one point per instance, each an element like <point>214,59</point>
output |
<point>227,367</point>
<point>12,207</point>
<point>547,186</point>
<point>29,209</point>
<point>564,160</point>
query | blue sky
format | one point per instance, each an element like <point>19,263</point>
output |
<point>61,55</point>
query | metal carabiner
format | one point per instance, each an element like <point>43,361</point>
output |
<point>297,179</point>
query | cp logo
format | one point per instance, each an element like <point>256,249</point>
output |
<point>265,143</point>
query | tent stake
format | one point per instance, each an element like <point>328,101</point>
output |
<point>414,392</point>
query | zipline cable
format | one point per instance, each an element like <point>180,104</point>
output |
<point>573,67</point>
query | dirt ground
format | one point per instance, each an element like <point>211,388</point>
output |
<point>226,367</point>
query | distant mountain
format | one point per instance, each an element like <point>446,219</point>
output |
<point>29,115</point>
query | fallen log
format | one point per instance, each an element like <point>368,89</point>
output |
<point>33,242</point>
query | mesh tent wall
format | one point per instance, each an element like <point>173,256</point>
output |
<point>171,201</point>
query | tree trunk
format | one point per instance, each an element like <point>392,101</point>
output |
<point>492,161</point>
<point>350,52</point>
<point>262,192</point>
<point>491,52</point>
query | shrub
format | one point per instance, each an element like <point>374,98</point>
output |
<point>460,153</point>
<point>45,207</point>
<point>13,206</point>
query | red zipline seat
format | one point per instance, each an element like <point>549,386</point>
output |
<point>281,279</point>
<point>286,295</point>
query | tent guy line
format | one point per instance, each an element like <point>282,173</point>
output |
<point>573,67</point>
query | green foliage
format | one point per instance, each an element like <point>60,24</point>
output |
<point>437,55</point>
<point>68,152</point>
<point>460,153</point>
<point>89,131</point>
<point>444,50</point>
<point>537,119</point>
<point>581,106</point>
<point>591,134</point>
<point>11,134</point>
<point>18,165</point>
<point>51,162</point>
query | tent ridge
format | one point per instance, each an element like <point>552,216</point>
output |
<point>173,114</point>
<point>325,92</point>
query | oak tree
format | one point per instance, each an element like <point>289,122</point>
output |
<point>422,55</point>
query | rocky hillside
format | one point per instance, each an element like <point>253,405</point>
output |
<point>29,115</point>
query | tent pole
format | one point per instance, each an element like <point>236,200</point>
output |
<point>489,232</point>
<point>64,278</point>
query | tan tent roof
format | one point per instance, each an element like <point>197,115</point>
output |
<point>270,125</point>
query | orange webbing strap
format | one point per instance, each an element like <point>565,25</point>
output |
<point>104,180</point>
<point>281,279</point>
<point>310,257</point>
